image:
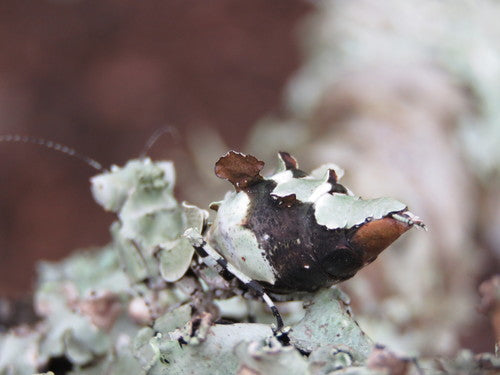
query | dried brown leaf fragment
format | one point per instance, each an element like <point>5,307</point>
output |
<point>239,169</point>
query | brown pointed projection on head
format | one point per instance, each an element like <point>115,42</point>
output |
<point>291,164</point>
<point>239,169</point>
<point>373,237</point>
<point>333,180</point>
<point>289,160</point>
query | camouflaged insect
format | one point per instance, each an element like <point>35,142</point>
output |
<point>297,232</point>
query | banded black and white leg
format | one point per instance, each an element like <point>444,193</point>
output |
<point>213,259</point>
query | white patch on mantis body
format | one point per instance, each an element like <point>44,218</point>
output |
<point>236,243</point>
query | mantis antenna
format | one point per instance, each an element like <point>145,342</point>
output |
<point>174,133</point>
<point>15,138</point>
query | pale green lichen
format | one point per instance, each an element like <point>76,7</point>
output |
<point>328,320</point>
<point>151,222</point>
<point>351,211</point>
<point>270,358</point>
<point>305,189</point>
<point>82,304</point>
<point>112,189</point>
<point>19,351</point>
<point>331,210</point>
<point>101,312</point>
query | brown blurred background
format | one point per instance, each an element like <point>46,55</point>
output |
<point>102,76</point>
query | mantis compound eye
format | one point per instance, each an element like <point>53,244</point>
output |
<point>342,263</point>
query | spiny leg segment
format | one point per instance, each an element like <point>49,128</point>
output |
<point>213,259</point>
